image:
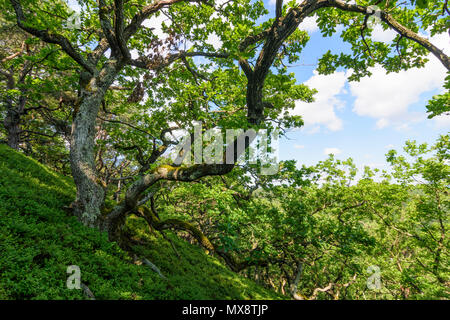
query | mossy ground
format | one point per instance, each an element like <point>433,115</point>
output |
<point>39,240</point>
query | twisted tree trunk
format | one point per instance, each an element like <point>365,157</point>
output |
<point>90,193</point>
<point>13,113</point>
<point>12,126</point>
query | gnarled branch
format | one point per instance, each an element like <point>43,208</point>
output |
<point>51,37</point>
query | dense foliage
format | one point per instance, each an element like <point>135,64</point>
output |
<point>339,225</point>
<point>39,240</point>
<point>101,96</point>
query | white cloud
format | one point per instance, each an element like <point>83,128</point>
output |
<point>309,24</point>
<point>220,2</point>
<point>156,24</point>
<point>334,151</point>
<point>134,54</point>
<point>214,40</point>
<point>442,121</point>
<point>388,97</point>
<point>74,5</point>
<point>322,111</point>
<point>378,34</point>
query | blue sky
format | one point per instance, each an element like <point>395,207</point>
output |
<point>359,120</point>
<point>362,120</point>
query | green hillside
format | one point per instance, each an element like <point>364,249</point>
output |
<point>39,240</point>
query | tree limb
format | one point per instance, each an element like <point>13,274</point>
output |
<point>143,64</point>
<point>16,54</point>
<point>394,24</point>
<point>51,37</point>
<point>119,27</point>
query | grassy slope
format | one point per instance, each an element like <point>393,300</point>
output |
<point>38,240</point>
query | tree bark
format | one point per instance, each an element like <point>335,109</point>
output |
<point>12,126</point>
<point>90,193</point>
<point>13,115</point>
